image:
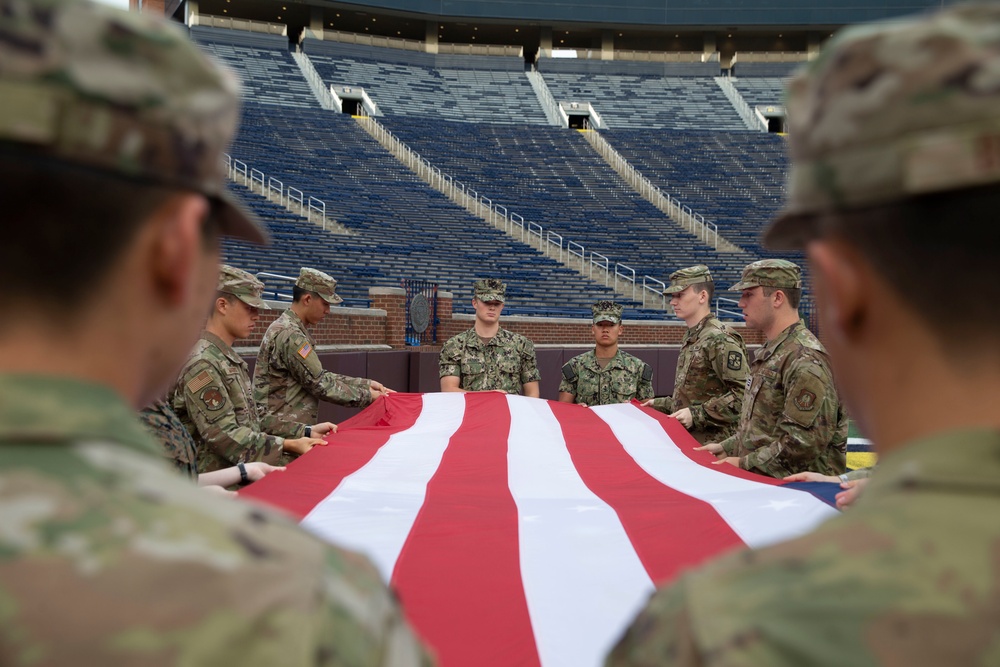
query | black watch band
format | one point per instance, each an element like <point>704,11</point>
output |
<point>244,478</point>
<point>309,431</point>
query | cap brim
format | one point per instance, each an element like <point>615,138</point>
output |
<point>333,299</point>
<point>237,222</point>
<point>740,286</point>
<point>490,297</point>
<point>674,289</point>
<point>790,231</point>
<point>254,301</point>
<point>613,320</point>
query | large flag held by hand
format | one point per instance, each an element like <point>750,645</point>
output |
<point>519,531</point>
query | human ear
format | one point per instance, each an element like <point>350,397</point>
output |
<point>838,284</point>
<point>175,246</point>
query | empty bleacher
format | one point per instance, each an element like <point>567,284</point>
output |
<point>490,89</point>
<point>401,228</point>
<point>761,91</point>
<point>553,177</point>
<point>269,74</point>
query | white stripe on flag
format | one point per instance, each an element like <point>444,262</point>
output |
<point>754,511</point>
<point>373,509</point>
<point>582,578</point>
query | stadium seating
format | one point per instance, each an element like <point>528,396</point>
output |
<point>761,91</point>
<point>400,227</point>
<point>553,177</point>
<point>269,74</point>
<point>465,88</point>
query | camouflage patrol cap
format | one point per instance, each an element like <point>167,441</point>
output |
<point>692,275</point>
<point>118,92</point>
<point>242,285</point>
<point>490,289</point>
<point>607,311</point>
<point>778,273</point>
<point>893,110</point>
<point>316,281</point>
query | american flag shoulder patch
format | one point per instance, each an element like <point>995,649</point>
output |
<point>199,381</point>
<point>305,350</point>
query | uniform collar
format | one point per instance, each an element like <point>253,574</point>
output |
<point>500,335</point>
<point>697,329</point>
<point>612,363</point>
<point>773,345</point>
<point>226,350</point>
<point>37,408</point>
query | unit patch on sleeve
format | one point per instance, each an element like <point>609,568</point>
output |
<point>806,400</point>
<point>213,398</point>
<point>305,350</point>
<point>735,360</point>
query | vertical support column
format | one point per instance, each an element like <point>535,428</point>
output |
<point>190,11</point>
<point>316,22</point>
<point>444,311</point>
<point>393,301</point>
<point>607,45</point>
<point>709,44</point>
<point>431,37</point>
<point>814,41</point>
<point>545,41</point>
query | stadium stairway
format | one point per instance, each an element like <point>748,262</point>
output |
<point>401,228</point>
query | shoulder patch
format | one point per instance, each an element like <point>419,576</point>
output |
<point>213,398</point>
<point>734,360</point>
<point>198,382</point>
<point>805,401</point>
<point>647,372</point>
<point>305,350</point>
<point>568,372</point>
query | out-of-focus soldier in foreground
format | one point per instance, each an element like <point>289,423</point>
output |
<point>112,127</point>
<point>893,192</point>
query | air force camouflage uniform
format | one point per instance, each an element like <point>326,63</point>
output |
<point>289,380</point>
<point>107,556</point>
<point>791,419</point>
<point>179,447</point>
<point>625,377</point>
<point>214,401</point>
<point>711,370</point>
<point>506,363</point>
<point>908,575</point>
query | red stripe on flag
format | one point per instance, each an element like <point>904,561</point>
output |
<point>676,432</point>
<point>669,530</point>
<point>459,572</point>
<point>320,471</point>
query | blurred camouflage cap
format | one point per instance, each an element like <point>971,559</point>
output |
<point>119,92</point>
<point>893,110</point>
<point>321,283</point>
<point>490,289</point>
<point>769,273</point>
<point>242,285</point>
<point>692,275</point>
<point>607,311</point>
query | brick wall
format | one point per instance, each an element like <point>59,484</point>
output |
<point>385,324</point>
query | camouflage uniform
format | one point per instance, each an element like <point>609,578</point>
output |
<point>214,401</point>
<point>288,380</point>
<point>178,446</point>
<point>110,558</point>
<point>506,363</point>
<point>908,575</point>
<point>791,420</point>
<point>107,557</point>
<point>624,378</point>
<point>711,369</point>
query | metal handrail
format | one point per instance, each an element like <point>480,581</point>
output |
<point>270,186</point>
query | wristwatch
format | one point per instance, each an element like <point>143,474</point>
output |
<point>244,478</point>
<point>309,431</point>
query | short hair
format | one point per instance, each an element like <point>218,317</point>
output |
<point>934,249</point>
<point>298,293</point>
<point>792,294</point>
<point>706,286</point>
<point>78,220</point>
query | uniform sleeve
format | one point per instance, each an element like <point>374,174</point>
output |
<point>204,396</point>
<point>729,361</point>
<point>305,367</point>
<point>570,375</point>
<point>644,389</point>
<point>529,365</point>
<point>807,426</point>
<point>450,360</point>
<point>664,404</point>
<point>662,634</point>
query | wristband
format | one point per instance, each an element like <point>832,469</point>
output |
<point>844,477</point>
<point>244,478</point>
<point>309,431</point>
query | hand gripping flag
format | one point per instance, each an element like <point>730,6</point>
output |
<point>519,531</point>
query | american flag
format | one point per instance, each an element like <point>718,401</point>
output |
<point>519,531</point>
